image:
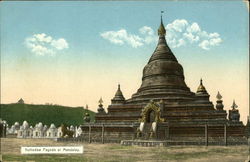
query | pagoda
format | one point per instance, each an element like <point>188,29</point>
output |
<point>164,106</point>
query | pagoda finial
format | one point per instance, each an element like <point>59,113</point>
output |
<point>161,30</point>
<point>218,96</point>
<point>100,108</point>
<point>100,101</point>
<point>201,88</point>
<point>118,95</point>
<point>234,106</point>
<point>219,104</point>
<point>161,15</point>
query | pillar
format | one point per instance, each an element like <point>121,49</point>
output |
<point>102,133</point>
<point>167,132</point>
<point>225,135</point>
<point>89,133</point>
<point>206,135</point>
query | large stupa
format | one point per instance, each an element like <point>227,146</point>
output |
<point>165,100</point>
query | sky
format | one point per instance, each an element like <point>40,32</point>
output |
<point>73,53</point>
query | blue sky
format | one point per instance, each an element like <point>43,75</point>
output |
<point>85,55</point>
<point>80,23</point>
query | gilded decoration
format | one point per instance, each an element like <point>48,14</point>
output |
<point>152,106</point>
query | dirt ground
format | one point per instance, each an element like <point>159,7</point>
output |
<point>10,151</point>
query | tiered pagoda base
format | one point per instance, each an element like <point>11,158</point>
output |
<point>163,107</point>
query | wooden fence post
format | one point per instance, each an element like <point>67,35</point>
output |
<point>225,135</point>
<point>167,133</point>
<point>89,133</point>
<point>206,135</point>
<point>103,133</point>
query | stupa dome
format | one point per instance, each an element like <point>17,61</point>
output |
<point>163,76</point>
<point>52,126</point>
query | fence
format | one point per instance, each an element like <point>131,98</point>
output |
<point>91,136</point>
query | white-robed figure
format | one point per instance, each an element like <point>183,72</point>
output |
<point>154,126</point>
<point>78,131</point>
<point>72,128</point>
<point>141,126</point>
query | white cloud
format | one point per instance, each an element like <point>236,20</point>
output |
<point>41,44</point>
<point>177,25</point>
<point>60,44</point>
<point>181,29</point>
<point>191,37</point>
<point>194,28</point>
<point>41,50</point>
<point>42,38</point>
<point>212,39</point>
<point>177,43</point>
<point>178,33</point>
<point>212,35</point>
<point>204,44</point>
<point>215,41</point>
<point>181,42</point>
<point>146,30</point>
<point>121,36</point>
<point>148,34</point>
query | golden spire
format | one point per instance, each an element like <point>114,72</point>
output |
<point>201,88</point>
<point>161,30</point>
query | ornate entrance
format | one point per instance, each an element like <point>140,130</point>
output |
<point>150,116</point>
<point>151,113</point>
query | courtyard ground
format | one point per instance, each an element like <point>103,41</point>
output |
<point>10,151</point>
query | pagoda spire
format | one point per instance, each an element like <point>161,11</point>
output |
<point>161,29</point>
<point>218,96</point>
<point>161,66</point>
<point>162,50</point>
<point>234,114</point>
<point>119,98</point>
<point>100,101</point>
<point>119,87</point>
<point>119,92</point>
<point>100,109</point>
<point>201,88</point>
<point>234,106</point>
<point>219,104</point>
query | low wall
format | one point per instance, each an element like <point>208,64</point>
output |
<point>171,142</point>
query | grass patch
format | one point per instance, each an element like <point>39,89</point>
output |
<point>180,155</point>
<point>66,158</point>
<point>46,158</point>
<point>184,153</point>
<point>229,150</point>
<point>120,147</point>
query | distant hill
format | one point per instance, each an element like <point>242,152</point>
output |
<point>46,114</point>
